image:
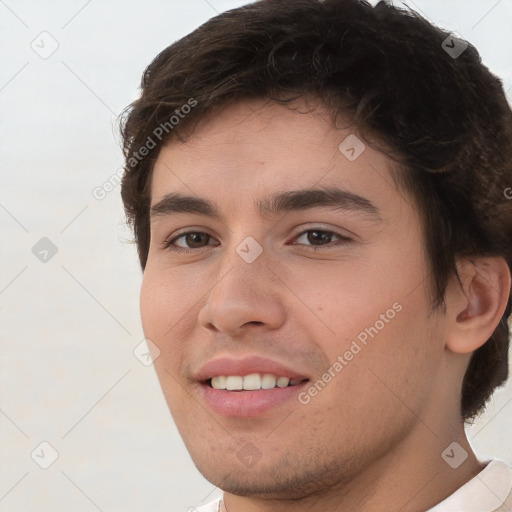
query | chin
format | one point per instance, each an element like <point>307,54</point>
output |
<point>281,480</point>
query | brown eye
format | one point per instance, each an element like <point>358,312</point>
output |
<point>320,237</point>
<point>192,239</point>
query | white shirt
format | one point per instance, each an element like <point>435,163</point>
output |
<point>489,491</point>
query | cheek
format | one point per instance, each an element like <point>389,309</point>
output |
<point>162,312</point>
<point>372,320</point>
<point>153,300</point>
<point>163,301</point>
<point>148,307</point>
<point>348,296</point>
<point>387,361</point>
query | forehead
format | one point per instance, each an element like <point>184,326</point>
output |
<point>253,149</point>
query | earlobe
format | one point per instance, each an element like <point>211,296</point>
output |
<point>475,309</point>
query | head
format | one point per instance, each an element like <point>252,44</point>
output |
<point>416,285</point>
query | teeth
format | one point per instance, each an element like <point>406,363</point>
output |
<point>268,381</point>
<point>251,382</point>
<point>234,383</point>
<point>282,382</point>
<point>219,382</point>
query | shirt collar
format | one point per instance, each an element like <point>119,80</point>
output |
<point>483,493</point>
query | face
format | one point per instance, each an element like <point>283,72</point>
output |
<point>321,299</point>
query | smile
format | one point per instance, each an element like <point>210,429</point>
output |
<point>248,387</point>
<point>251,382</point>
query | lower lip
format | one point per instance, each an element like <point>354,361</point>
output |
<point>248,403</point>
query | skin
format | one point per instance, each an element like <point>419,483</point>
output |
<point>372,438</point>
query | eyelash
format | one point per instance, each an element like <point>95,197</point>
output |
<point>168,244</point>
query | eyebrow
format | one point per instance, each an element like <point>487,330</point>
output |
<point>333,198</point>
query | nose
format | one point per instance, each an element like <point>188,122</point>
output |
<point>246,296</point>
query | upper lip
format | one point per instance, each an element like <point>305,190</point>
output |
<point>245,366</point>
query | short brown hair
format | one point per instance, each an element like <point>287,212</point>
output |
<point>443,119</point>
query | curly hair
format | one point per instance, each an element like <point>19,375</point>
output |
<point>442,117</point>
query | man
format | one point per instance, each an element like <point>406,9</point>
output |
<point>317,191</point>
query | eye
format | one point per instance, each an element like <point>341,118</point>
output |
<point>318,236</point>
<point>190,237</point>
<point>194,240</point>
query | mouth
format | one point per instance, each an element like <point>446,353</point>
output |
<point>251,382</point>
<point>248,403</point>
<point>248,387</point>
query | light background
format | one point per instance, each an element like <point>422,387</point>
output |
<point>68,375</point>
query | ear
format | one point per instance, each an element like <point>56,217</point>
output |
<point>475,308</point>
